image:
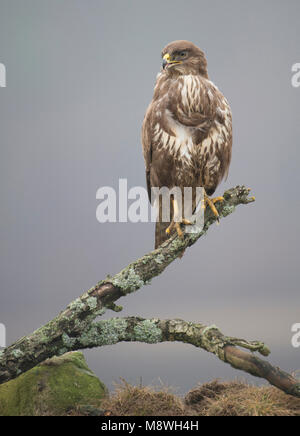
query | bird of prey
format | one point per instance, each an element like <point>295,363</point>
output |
<point>186,133</point>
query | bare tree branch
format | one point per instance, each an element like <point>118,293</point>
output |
<point>74,328</point>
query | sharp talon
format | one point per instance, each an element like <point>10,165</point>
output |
<point>170,228</point>
<point>177,226</point>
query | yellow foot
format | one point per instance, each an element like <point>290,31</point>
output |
<point>186,222</point>
<point>211,203</point>
<point>177,226</point>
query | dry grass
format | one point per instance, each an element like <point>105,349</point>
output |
<point>129,400</point>
<point>241,399</point>
<point>210,399</point>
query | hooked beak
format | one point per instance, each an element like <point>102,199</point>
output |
<point>167,61</point>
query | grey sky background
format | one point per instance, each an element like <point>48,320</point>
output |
<point>79,78</point>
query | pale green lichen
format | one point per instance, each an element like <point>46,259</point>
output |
<point>17,353</point>
<point>227,210</point>
<point>76,305</point>
<point>128,280</point>
<point>100,312</point>
<point>67,341</point>
<point>90,337</point>
<point>92,303</point>
<point>146,259</point>
<point>212,341</point>
<point>43,334</point>
<point>77,323</point>
<point>147,331</point>
<point>160,259</point>
<point>178,327</point>
<point>106,332</point>
<point>207,329</point>
<point>43,339</point>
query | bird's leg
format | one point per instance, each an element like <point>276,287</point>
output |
<point>177,221</point>
<point>211,203</point>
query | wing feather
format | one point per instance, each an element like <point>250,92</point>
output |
<point>147,147</point>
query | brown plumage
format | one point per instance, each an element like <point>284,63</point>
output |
<point>187,130</point>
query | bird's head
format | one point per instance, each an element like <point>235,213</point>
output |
<point>184,57</point>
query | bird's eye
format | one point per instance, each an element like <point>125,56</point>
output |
<point>182,54</point>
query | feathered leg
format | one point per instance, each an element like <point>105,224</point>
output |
<point>177,221</point>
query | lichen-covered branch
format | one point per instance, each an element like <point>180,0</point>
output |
<point>209,338</point>
<point>74,328</point>
<point>55,337</point>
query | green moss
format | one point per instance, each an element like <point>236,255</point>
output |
<point>51,388</point>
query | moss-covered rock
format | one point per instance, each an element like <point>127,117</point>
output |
<point>54,387</point>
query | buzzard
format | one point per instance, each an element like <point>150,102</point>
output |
<point>186,133</point>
